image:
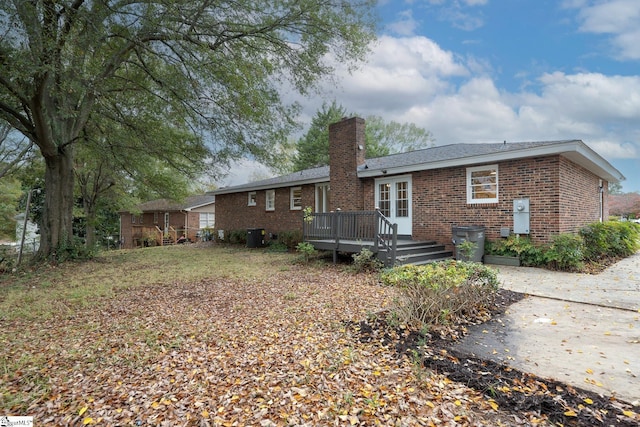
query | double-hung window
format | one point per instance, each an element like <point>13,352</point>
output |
<point>482,184</point>
<point>270,196</point>
<point>296,198</point>
<point>207,219</point>
<point>252,199</point>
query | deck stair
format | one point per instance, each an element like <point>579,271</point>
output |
<point>418,252</point>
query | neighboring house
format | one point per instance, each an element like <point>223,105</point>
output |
<point>31,234</point>
<point>536,188</point>
<point>164,222</point>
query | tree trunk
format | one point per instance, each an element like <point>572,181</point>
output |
<point>57,218</point>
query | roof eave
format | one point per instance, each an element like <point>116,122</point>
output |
<point>242,189</point>
<point>576,150</point>
<point>190,208</point>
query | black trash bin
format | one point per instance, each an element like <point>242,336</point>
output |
<point>471,233</point>
<point>255,237</point>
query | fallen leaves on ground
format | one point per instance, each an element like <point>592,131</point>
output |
<point>532,400</point>
<point>228,352</point>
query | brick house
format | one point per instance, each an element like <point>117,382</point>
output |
<point>161,222</point>
<point>559,185</point>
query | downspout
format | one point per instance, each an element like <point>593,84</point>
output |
<point>601,191</point>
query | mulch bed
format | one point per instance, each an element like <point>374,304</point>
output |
<point>522,394</point>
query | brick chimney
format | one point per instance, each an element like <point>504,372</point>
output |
<point>346,153</point>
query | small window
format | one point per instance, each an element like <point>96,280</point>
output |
<point>207,220</point>
<point>482,184</point>
<point>296,198</point>
<point>155,217</point>
<point>252,199</point>
<point>270,196</point>
<point>133,219</point>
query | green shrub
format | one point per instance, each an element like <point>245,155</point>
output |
<point>610,239</point>
<point>276,246</point>
<point>238,237</point>
<point>442,292</point>
<point>365,260</point>
<point>466,249</point>
<point>290,238</point>
<point>73,250</point>
<point>517,246</point>
<point>566,252</point>
<point>8,259</point>
<point>208,234</point>
<point>306,250</point>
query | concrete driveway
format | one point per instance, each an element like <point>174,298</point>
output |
<point>583,330</point>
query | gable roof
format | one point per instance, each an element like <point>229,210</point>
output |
<point>189,203</point>
<point>445,156</point>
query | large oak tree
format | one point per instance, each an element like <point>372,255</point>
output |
<point>213,67</point>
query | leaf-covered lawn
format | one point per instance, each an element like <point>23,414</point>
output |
<point>226,351</point>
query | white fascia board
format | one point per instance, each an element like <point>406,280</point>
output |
<point>577,151</point>
<point>590,160</point>
<point>190,208</point>
<point>273,186</point>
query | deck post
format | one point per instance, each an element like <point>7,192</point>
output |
<point>376,230</point>
<point>336,229</point>
<point>394,244</point>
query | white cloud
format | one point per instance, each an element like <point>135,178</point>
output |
<point>616,17</point>
<point>615,149</point>
<point>414,80</point>
<point>405,25</point>
<point>243,171</point>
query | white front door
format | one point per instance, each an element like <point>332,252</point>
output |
<point>393,197</point>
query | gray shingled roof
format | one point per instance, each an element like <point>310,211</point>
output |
<point>306,176</point>
<point>451,152</point>
<point>189,203</point>
<point>447,156</point>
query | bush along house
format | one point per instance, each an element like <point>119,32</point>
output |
<point>405,206</point>
<point>164,222</point>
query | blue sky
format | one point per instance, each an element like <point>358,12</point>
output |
<point>494,70</point>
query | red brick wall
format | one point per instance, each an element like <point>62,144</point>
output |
<point>232,212</point>
<point>439,199</point>
<point>345,141</point>
<point>580,201</point>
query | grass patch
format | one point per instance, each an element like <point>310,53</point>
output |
<point>40,293</point>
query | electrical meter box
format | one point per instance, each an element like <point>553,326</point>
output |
<point>521,216</point>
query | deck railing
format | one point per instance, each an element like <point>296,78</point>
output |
<point>364,226</point>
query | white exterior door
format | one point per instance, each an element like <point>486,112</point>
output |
<point>393,197</point>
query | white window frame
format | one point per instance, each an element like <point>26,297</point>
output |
<point>295,202</point>
<point>251,200</point>
<point>270,200</point>
<point>470,186</point>
<point>207,220</point>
